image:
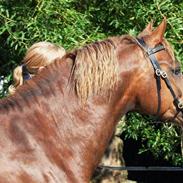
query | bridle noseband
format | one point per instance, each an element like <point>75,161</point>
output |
<point>159,73</point>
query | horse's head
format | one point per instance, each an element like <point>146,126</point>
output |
<point>159,87</point>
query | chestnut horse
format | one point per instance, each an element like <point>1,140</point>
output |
<point>57,126</point>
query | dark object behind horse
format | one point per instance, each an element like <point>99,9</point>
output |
<point>57,126</point>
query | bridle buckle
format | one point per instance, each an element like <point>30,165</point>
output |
<point>158,72</point>
<point>180,105</point>
<point>163,74</point>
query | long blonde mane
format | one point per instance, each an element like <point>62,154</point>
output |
<point>96,69</point>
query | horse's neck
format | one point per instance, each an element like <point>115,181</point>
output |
<point>87,132</point>
<point>90,128</point>
<point>106,116</point>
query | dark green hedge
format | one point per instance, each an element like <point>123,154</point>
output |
<point>72,23</point>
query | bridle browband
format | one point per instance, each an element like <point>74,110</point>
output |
<point>159,73</point>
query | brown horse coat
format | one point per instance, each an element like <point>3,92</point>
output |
<point>57,126</point>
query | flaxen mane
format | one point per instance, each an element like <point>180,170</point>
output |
<point>95,69</point>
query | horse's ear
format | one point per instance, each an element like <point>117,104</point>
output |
<point>158,34</point>
<point>147,30</point>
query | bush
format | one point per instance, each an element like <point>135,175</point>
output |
<point>160,139</point>
<point>32,21</point>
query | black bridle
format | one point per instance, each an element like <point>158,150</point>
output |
<point>159,73</point>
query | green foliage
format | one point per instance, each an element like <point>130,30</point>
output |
<point>29,21</point>
<point>116,17</point>
<point>73,23</point>
<point>161,139</point>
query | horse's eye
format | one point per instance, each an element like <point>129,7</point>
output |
<point>177,71</point>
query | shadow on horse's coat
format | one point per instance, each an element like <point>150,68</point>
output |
<point>57,126</point>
